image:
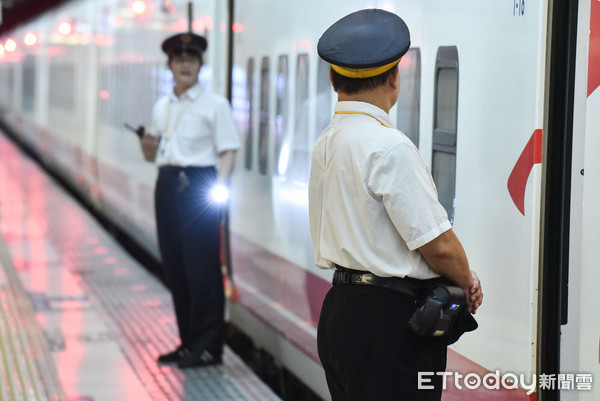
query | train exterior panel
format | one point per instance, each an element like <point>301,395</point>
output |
<point>474,99</point>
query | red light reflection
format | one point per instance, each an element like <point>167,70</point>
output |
<point>208,22</point>
<point>29,211</point>
<point>100,250</point>
<point>198,25</point>
<point>181,25</point>
<point>54,51</point>
<point>237,27</point>
<point>102,39</point>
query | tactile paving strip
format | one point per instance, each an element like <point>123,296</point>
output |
<point>27,371</point>
<point>135,306</point>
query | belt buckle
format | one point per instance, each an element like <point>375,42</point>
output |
<point>358,278</point>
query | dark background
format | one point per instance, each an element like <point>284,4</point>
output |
<point>16,12</point>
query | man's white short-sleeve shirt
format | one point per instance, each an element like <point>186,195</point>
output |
<point>194,128</point>
<point>372,200</point>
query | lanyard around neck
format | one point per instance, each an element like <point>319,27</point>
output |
<point>360,112</point>
<point>169,132</point>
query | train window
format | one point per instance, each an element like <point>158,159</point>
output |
<point>444,126</point>
<point>28,84</point>
<point>250,99</point>
<point>323,97</point>
<point>4,71</point>
<point>10,81</point>
<point>408,103</point>
<point>62,86</point>
<point>299,162</point>
<point>263,130</point>
<point>281,112</point>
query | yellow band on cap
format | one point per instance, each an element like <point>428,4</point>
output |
<point>364,72</point>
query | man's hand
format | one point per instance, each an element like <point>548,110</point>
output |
<point>475,294</point>
<point>150,146</point>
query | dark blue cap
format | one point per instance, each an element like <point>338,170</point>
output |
<point>365,43</point>
<point>184,43</point>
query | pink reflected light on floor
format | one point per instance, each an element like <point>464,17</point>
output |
<point>104,317</point>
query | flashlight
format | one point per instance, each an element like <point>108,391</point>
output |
<point>220,193</point>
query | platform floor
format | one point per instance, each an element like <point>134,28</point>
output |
<point>80,320</point>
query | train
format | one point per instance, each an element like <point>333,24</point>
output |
<point>498,96</point>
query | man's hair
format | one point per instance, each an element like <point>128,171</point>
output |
<point>351,86</point>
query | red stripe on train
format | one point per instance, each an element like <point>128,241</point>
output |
<point>517,181</point>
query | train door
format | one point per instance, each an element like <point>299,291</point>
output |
<point>580,341</point>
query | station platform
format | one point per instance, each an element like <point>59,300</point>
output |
<point>80,319</point>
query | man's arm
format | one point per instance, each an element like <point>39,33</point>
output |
<point>226,165</point>
<point>446,256</point>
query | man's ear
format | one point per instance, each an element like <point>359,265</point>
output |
<point>394,77</point>
<point>331,79</point>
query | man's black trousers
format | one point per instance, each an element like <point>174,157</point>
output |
<point>369,352</point>
<point>188,234</point>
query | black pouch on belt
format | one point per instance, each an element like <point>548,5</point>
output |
<point>443,312</point>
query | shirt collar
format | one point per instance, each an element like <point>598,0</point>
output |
<point>192,93</point>
<point>354,107</point>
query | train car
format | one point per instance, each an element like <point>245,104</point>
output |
<point>499,97</point>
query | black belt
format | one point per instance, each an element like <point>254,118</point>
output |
<point>406,286</point>
<point>170,167</point>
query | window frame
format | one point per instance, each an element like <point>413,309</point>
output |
<point>444,140</point>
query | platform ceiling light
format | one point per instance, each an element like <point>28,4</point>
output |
<point>10,45</point>
<point>65,28</point>
<point>138,7</point>
<point>30,39</point>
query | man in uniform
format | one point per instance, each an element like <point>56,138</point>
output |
<point>375,218</point>
<point>193,141</point>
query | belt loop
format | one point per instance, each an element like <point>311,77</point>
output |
<point>342,276</point>
<point>345,276</point>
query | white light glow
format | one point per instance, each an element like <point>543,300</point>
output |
<point>65,28</point>
<point>138,7</point>
<point>284,158</point>
<point>10,45</point>
<point>30,39</point>
<point>220,193</point>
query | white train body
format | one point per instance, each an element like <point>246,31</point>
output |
<point>474,98</point>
